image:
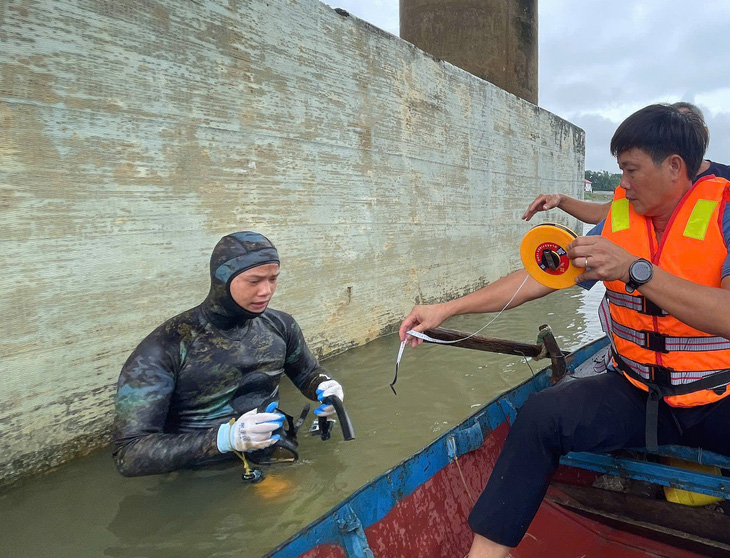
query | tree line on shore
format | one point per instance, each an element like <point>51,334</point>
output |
<point>603,180</point>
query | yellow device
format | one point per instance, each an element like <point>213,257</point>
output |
<point>684,496</point>
<point>544,255</point>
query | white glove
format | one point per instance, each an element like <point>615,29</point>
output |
<point>252,431</point>
<point>328,387</point>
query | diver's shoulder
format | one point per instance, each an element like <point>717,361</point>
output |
<point>278,318</point>
<point>185,326</point>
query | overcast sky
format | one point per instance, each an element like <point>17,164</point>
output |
<point>600,61</point>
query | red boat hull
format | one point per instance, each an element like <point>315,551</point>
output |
<point>432,522</point>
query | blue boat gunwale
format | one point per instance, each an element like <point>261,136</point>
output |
<point>374,500</point>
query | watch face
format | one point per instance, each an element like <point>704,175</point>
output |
<point>640,271</point>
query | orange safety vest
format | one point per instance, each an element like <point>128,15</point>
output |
<point>655,351</point>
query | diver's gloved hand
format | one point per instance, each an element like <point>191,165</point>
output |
<point>252,431</point>
<point>328,387</point>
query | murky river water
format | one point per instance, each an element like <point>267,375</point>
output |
<point>85,509</point>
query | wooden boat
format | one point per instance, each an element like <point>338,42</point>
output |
<point>419,508</point>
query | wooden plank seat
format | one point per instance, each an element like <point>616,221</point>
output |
<point>700,530</point>
<point>632,466</point>
<point>695,455</point>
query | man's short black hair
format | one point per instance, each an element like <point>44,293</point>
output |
<point>660,131</point>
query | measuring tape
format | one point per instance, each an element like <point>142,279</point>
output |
<point>544,255</point>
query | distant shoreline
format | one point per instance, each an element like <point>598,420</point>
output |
<point>598,195</point>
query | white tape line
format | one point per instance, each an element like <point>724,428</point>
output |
<point>400,351</point>
<point>425,337</point>
<point>431,339</point>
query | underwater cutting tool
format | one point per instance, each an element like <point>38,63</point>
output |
<point>286,448</point>
<point>325,425</point>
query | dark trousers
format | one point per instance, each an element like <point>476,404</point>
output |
<point>599,413</point>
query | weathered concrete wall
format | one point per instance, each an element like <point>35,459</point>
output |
<point>135,134</point>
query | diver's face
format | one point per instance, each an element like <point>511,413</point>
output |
<point>252,290</point>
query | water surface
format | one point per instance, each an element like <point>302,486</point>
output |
<point>85,509</point>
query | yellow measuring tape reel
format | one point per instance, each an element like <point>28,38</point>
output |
<point>543,253</point>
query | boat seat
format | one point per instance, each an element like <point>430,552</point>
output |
<point>695,455</point>
<point>659,473</point>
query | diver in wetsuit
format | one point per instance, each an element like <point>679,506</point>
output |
<point>218,361</point>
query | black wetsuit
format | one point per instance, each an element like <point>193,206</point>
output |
<point>175,389</point>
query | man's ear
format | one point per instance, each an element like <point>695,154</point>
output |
<point>677,166</point>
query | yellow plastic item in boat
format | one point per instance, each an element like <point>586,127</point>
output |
<point>684,496</point>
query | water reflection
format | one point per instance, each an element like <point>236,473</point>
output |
<point>87,509</point>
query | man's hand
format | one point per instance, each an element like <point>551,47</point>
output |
<point>325,389</point>
<point>543,202</point>
<point>603,260</point>
<point>422,318</point>
<point>252,431</point>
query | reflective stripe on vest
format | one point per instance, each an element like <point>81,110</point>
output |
<point>657,374</point>
<point>665,343</point>
<point>699,220</point>
<point>636,302</point>
<point>620,215</point>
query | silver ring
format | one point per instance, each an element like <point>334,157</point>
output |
<point>586,266</point>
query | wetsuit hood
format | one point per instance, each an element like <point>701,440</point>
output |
<point>234,254</point>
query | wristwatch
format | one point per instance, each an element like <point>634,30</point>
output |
<point>640,272</point>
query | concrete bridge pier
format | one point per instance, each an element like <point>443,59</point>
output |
<point>495,40</point>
